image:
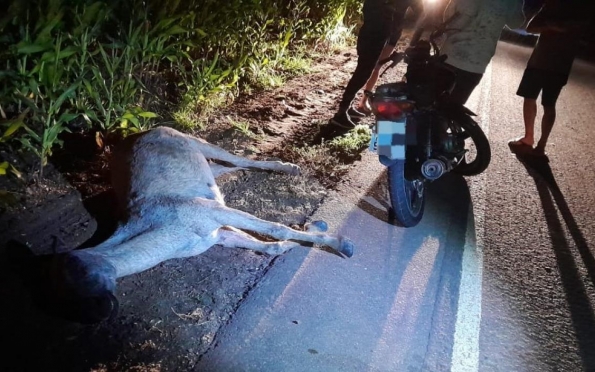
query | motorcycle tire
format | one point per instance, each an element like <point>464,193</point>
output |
<point>482,146</point>
<point>408,203</point>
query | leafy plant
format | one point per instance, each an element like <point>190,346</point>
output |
<point>105,65</point>
<point>6,167</point>
<point>136,120</point>
<point>241,126</point>
<point>354,141</point>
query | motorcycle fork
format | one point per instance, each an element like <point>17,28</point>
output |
<point>429,138</point>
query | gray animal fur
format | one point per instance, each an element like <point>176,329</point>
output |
<point>172,207</point>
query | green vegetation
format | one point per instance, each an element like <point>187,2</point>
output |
<point>353,142</point>
<point>125,66</point>
<point>328,161</point>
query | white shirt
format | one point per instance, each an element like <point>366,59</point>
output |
<point>480,24</point>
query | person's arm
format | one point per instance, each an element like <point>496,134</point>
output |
<point>421,17</point>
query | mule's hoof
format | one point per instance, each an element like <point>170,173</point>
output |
<point>347,247</point>
<point>293,169</point>
<point>317,226</point>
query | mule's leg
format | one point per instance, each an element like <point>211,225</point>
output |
<point>230,237</point>
<point>219,170</point>
<point>242,220</point>
<point>151,247</point>
<point>234,238</point>
<point>214,152</point>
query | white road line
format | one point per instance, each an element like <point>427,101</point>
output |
<point>465,350</point>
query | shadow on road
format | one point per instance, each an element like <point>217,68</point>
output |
<point>392,305</point>
<point>553,202</point>
<point>446,219</point>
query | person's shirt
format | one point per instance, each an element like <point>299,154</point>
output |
<point>554,52</point>
<point>477,28</point>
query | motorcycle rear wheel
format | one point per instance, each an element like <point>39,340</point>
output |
<point>469,129</point>
<point>407,197</point>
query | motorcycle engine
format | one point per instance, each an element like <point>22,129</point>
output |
<point>452,144</point>
<point>447,141</point>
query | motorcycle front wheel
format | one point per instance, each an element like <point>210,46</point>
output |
<point>407,197</point>
<point>479,153</point>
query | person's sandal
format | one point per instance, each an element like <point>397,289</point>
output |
<point>356,113</point>
<point>364,110</point>
<point>518,142</point>
<point>342,120</point>
<point>518,145</point>
<point>539,152</point>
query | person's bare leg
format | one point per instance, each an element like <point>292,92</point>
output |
<point>386,52</point>
<point>529,114</point>
<point>547,123</point>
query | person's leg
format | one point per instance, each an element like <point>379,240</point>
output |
<point>371,83</point>
<point>529,114</point>
<point>365,66</point>
<point>547,123</point>
<point>529,88</point>
<point>370,42</point>
<point>551,91</point>
<point>465,84</point>
<point>395,35</point>
<point>368,55</point>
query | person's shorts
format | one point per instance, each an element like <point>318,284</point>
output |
<point>395,34</point>
<point>371,39</point>
<point>548,83</point>
<point>465,84</point>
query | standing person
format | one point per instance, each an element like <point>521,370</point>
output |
<point>431,14</point>
<point>382,19</point>
<point>475,28</point>
<point>390,46</point>
<point>546,73</point>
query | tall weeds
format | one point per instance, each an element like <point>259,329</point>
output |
<point>112,66</point>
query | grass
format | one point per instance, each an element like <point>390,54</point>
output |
<point>329,161</point>
<point>241,126</point>
<point>353,142</point>
<point>104,64</point>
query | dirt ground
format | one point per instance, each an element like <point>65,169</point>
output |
<point>170,315</point>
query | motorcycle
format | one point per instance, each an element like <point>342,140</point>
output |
<point>418,134</point>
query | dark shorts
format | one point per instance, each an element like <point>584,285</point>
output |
<point>548,83</point>
<point>465,84</point>
<point>395,34</point>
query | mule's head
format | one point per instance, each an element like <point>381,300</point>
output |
<point>80,287</point>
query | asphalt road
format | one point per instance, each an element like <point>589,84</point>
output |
<point>499,276</point>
